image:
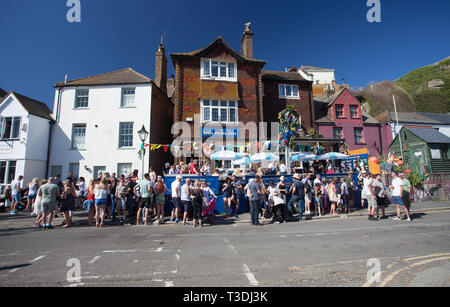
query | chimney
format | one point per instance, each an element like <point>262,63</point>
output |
<point>171,82</point>
<point>161,69</point>
<point>247,42</point>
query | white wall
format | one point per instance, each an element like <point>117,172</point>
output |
<point>324,77</point>
<point>30,151</point>
<point>444,129</point>
<point>101,142</point>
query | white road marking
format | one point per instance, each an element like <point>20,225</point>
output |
<point>94,259</point>
<point>168,283</point>
<point>174,271</point>
<point>38,258</point>
<point>251,278</point>
<point>120,251</point>
<point>159,249</point>
<point>14,270</point>
<point>75,284</point>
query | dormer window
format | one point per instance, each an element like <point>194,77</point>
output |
<point>218,70</point>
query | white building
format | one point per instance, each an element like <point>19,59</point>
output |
<point>25,129</point>
<point>97,120</point>
<point>320,75</point>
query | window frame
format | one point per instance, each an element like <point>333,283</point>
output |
<point>336,111</point>
<point>131,134</point>
<point>77,91</point>
<point>206,70</point>
<point>12,128</point>
<point>357,112</point>
<point>123,95</point>
<point>220,107</point>
<point>282,94</point>
<point>75,126</point>
<point>6,177</point>
<point>363,141</point>
<point>341,134</point>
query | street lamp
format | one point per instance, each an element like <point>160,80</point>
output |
<point>143,134</point>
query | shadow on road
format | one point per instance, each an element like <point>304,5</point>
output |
<point>12,267</point>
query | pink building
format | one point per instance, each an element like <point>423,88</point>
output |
<point>342,118</point>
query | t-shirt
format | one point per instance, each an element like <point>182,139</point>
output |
<point>367,182</point>
<point>283,168</point>
<point>143,187</point>
<point>344,188</point>
<point>378,188</point>
<point>299,188</point>
<point>237,184</point>
<point>100,193</point>
<point>32,190</point>
<point>397,183</point>
<point>49,192</point>
<point>176,186</point>
<point>194,169</point>
<point>15,185</point>
<point>254,187</point>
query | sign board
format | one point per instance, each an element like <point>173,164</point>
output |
<point>220,133</point>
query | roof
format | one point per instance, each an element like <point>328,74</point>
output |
<point>312,68</point>
<point>124,76</point>
<point>407,117</point>
<point>429,135</point>
<point>32,106</point>
<point>367,119</point>
<point>282,76</point>
<point>335,96</point>
<point>325,120</point>
<point>218,41</point>
<point>441,118</point>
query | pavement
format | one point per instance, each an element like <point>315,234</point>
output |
<point>327,251</point>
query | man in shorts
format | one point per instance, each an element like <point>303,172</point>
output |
<point>407,189</point>
<point>397,197</point>
<point>16,194</point>
<point>145,188</point>
<point>48,193</point>
<point>186,201</point>
<point>371,197</point>
<point>176,198</point>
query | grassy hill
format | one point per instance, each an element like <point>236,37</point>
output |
<point>412,91</point>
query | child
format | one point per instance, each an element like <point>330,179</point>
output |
<point>317,197</point>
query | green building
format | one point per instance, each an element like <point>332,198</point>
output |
<point>425,150</point>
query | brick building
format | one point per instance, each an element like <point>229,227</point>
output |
<point>343,118</point>
<point>225,90</point>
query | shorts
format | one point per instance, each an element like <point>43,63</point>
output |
<point>177,203</point>
<point>31,196</point>
<point>186,205</point>
<point>100,202</point>
<point>48,207</point>
<point>145,203</point>
<point>307,198</point>
<point>397,200</point>
<point>381,201</point>
<point>372,203</point>
<point>227,195</point>
<point>121,204</point>
<point>406,200</point>
<point>16,197</point>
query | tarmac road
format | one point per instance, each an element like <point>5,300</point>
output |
<point>331,252</point>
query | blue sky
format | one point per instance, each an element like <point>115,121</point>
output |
<point>39,46</point>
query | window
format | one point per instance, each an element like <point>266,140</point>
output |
<point>218,70</point>
<point>124,169</point>
<point>288,91</point>
<point>359,136</point>
<point>55,170</point>
<point>10,128</point>
<point>126,135</point>
<point>128,95</point>
<point>81,99</point>
<point>219,111</point>
<point>339,111</point>
<point>75,169</point>
<point>337,133</point>
<point>354,111</point>
<point>78,136</point>
<point>7,171</point>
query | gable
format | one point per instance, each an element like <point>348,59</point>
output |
<point>10,106</point>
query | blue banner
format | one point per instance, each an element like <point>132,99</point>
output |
<point>220,133</point>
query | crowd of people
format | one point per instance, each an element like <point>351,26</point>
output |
<point>119,198</point>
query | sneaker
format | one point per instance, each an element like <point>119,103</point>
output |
<point>397,218</point>
<point>171,220</point>
<point>50,227</point>
<point>408,220</point>
<point>184,224</point>
<point>177,221</point>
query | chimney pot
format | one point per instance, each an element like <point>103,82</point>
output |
<point>247,42</point>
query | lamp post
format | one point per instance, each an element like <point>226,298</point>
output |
<point>143,134</point>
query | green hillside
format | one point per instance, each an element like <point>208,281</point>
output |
<point>412,91</point>
<point>426,99</point>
